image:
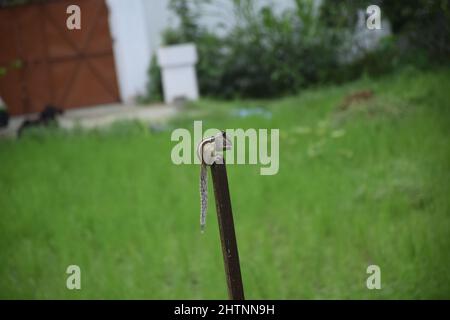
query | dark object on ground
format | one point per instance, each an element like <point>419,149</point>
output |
<point>356,97</point>
<point>4,118</point>
<point>46,117</point>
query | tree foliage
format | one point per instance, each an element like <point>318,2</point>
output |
<point>267,54</point>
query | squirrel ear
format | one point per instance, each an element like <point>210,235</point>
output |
<point>219,135</point>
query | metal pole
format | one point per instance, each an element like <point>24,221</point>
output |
<point>227,234</point>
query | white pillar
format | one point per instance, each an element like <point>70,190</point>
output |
<point>179,78</point>
<point>131,45</point>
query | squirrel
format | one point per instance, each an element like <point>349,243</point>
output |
<point>208,152</point>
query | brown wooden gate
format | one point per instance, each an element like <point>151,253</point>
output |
<point>43,62</point>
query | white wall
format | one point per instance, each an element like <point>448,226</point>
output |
<point>158,18</point>
<point>131,45</point>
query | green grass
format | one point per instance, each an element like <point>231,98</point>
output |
<point>370,185</point>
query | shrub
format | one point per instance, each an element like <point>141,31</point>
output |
<point>267,54</point>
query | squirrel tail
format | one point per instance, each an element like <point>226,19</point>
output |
<point>203,196</point>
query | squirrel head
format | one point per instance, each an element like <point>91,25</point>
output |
<point>222,142</point>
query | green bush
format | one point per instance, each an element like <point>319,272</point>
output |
<point>268,55</point>
<point>264,55</point>
<point>419,25</point>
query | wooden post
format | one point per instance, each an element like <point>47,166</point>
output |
<point>227,234</point>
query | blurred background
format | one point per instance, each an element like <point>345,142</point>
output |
<point>86,176</point>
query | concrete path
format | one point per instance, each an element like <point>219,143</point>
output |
<point>95,117</point>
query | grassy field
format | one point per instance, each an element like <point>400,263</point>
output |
<point>367,185</point>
